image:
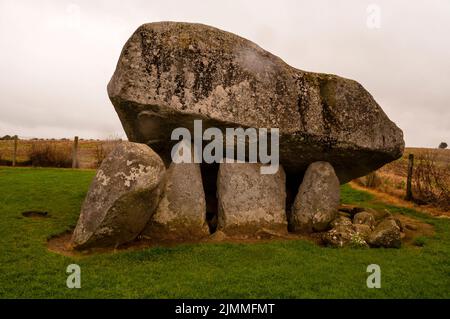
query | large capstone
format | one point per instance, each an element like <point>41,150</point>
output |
<point>122,197</point>
<point>170,73</point>
<point>181,213</point>
<point>317,202</point>
<point>250,201</point>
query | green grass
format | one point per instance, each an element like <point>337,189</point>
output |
<point>279,269</point>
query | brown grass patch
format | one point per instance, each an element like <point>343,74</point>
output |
<point>397,201</point>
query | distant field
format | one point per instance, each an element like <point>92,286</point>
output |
<point>276,269</point>
<point>431,171</point>
<point>88,154</point>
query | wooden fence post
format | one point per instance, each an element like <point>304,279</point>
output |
<point>75,153</point>
<point>409,196</point>
<point>15,151</point>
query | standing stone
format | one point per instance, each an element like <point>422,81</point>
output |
<point>181,213</point>
<point>249,200</point>
<point>122,197</point>
<point>317,201</point>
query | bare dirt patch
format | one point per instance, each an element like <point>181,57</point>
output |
<point>61,244</point>
<point>35,214</point>
<point>413,228</point>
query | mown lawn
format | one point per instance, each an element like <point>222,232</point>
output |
<point>280,269</point>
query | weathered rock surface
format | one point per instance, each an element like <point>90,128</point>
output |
<point>317,201</point>
<point>364,218</point>
<point>363,230</point>
<point>341,221</point>
<point>379,214</point>
<point>338,236</point>
<point>181,213</point>
<point>122,197</point>
<point>218,236</point>
<point>249,201</point>
<point>350,209</point>
<point>170,73</point>
<point>386,234</point>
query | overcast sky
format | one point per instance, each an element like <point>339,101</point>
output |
<point>57,57</point>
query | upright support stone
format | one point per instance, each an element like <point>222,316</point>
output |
<point>181,213</point>
<point>249,201</point>
<point>122,198</point>
<point>317,201</point>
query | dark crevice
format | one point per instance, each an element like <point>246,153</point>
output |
<point>293,182</point>
<point>209,178</point>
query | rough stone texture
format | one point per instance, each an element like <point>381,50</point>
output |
<point>341,221</point>
<point>399,224</point>
<point>386,234</point>
<point>249,201</point>
<point>350,209</point>
<point>363,230</point>
<point>379,214</point>
<point>170,73</point>
<point>339,236</point>
<point>317,201</point>
<point>122,197</point>
<point>218,236</point>
<point>181,213</point>
<point>364,218</point>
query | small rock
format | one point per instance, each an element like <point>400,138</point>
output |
<point>343,214</point>
<point>363,230</point>
<point>379,214</point>
<point>399,224</point>
<point>350,209</point>
<point>218,236</point>
<point>364,218</point>
<point>341,221</point>
<point>339,236</point>
<point>411,226</point>
<point>386,234</point>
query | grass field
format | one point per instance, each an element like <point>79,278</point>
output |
<point>279,269</point>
